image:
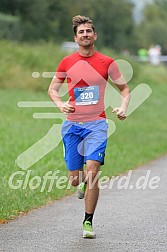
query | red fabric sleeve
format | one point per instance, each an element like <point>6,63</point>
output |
<point>114,71</point>
<point>61,70</point>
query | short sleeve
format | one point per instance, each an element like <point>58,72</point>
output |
<point>113,71</point>
<point>61,70</point>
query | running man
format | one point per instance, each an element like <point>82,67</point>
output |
<point>84,131</point>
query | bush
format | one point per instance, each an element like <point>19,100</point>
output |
<point>9,27</point>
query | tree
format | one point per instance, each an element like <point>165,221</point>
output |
<point>114,22</point>
<point>51,19</point>
<point>152,29</point>
<point>10,7</point>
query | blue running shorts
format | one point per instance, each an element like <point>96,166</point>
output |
<point>84,141</point>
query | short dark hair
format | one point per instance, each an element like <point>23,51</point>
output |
<point>78,20</point>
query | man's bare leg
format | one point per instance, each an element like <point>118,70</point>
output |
<point>92,191</point>
<point>91,197</point>
<point>76,176</point>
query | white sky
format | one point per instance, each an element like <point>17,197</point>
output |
<point>139,5</point>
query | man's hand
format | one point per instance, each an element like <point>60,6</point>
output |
<point>120,112</point>
<point>66,108</point>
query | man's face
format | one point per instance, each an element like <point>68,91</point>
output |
<point>85,35</point>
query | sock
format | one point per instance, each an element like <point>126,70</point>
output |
<point>85,182</point>
<point>88,217</point>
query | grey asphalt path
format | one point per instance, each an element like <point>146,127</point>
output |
<point>126,220</point>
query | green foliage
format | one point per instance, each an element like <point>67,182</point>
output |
<point>51,20</point>
<point>21,60</point>
<point>10,7</point>
<point>114,22</point>
<point>152,29</point>
<point>43,20</point>
<point>9,27</point>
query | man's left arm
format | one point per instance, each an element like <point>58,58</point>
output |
<point>125,98</point>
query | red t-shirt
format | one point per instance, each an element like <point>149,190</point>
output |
<point>86,79</point>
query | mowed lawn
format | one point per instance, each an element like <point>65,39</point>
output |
<point>137,140</point>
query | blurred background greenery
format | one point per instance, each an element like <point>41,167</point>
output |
<point>121,24</point>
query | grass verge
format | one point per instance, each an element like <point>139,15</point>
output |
<point>137,140</point>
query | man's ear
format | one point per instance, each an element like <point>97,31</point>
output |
<point>75,39</point>
<point>95,36</point>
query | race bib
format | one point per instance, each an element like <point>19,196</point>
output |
<point>86,95</point>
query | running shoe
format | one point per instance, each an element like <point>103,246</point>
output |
<point>88,230</point>
<point>81,190</point>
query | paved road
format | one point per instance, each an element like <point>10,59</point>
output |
<point>126,220</point>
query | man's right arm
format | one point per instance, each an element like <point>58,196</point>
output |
<point>53,93</point>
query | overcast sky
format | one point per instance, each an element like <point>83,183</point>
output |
<point>139,5</point>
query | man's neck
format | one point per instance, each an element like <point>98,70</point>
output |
<point>86,52</point>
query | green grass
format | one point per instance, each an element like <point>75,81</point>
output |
<point>137,140</point>
<point>18,61</point>
<point>18,132</point>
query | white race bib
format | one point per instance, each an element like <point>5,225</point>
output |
<point>86,95</point>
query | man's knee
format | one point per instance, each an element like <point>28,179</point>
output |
<point>75,177</point>
<point>74,180</point>
<point>93,170</point>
